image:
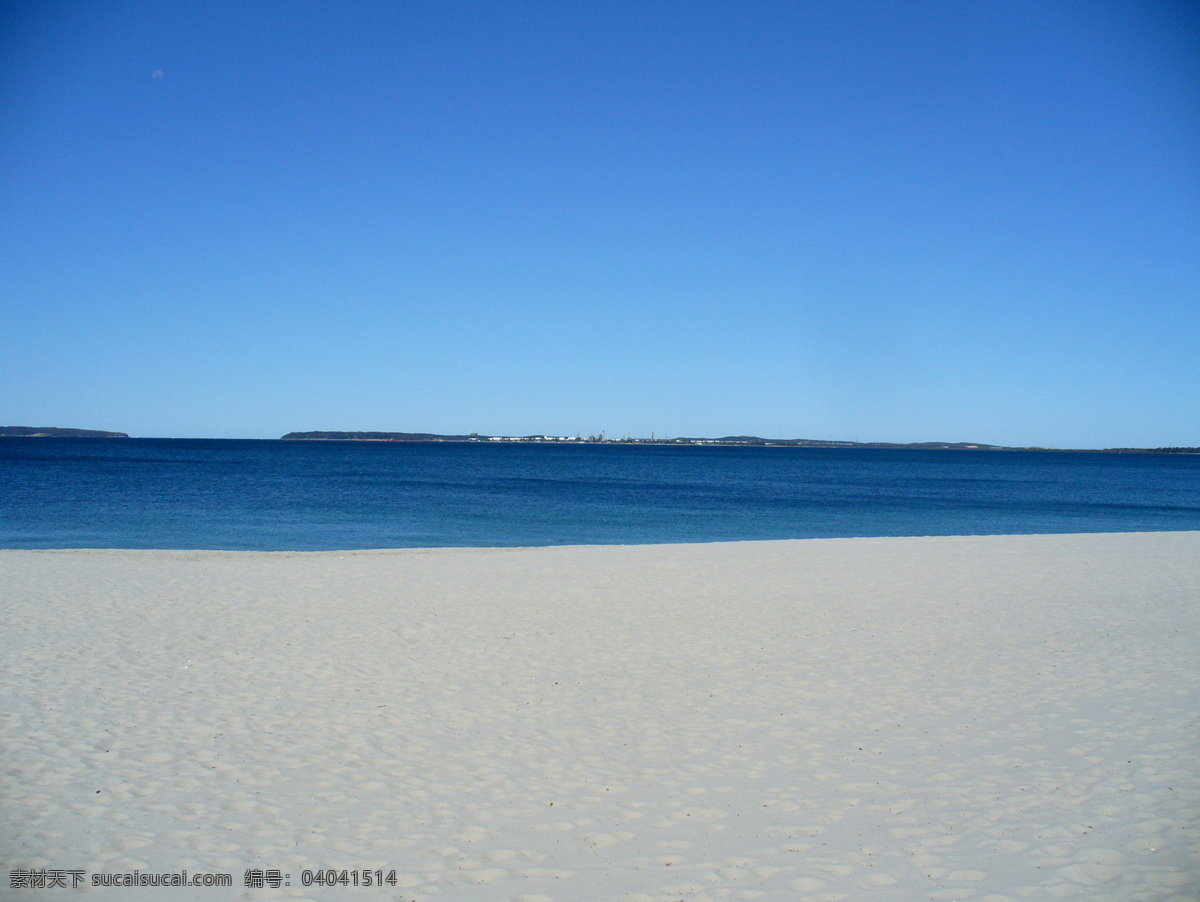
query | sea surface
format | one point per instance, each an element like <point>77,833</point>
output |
<point>275,496</point>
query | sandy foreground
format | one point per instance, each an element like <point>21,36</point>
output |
<point>986,718</point>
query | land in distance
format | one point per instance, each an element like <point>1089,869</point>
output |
<point>681,440</point>
<point>56,432</point>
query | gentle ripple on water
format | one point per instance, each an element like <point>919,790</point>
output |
<point>273,495</point>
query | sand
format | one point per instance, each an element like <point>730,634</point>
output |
<point>986,718</point>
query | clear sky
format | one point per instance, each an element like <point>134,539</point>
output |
<point>874,221</point>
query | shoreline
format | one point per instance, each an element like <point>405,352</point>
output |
<point>483,548</point>
<point>984,717</point>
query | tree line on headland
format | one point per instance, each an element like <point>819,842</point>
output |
<point>601,438</point>
<point>743,440</point>
<point>56,432</point>
<point>595,439</point>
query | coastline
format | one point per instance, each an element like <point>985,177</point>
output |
<point>985,717</point>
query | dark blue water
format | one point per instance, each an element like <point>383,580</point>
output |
<point>151,493</point>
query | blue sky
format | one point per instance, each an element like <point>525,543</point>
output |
<point>874,221</point>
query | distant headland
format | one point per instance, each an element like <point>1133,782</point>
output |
<point>55,432</point>
<point>602,439</point>
<point>597,439</point>
<point>727,440</point>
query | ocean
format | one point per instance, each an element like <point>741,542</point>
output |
<point>280,496</point>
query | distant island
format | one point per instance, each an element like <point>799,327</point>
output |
<point>727,440</point>
<point>55,432</point>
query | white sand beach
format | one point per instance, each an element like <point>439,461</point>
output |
<point>984,718</point>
